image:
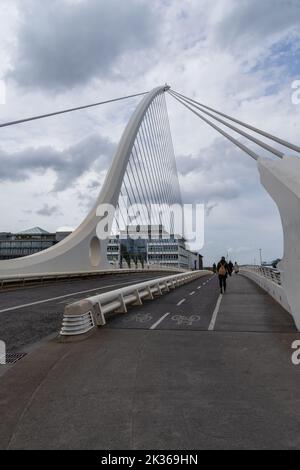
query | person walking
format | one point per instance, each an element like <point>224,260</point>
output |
<point>214,268</point>
<point>236,268</point>
<point>222,269</point>
<point>230,268</point>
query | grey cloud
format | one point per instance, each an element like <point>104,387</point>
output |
<point>62,45</point>
<point>217,173</point>
<point>209,208</point>
<point>68,165</point>
<point>218,191</point>
<point>47,210</point>
<point>248,23</point>
<point>95,184</point>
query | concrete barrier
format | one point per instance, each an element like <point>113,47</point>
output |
<point>84,316</point>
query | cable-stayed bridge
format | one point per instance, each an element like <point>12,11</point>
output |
<point>170,324</point>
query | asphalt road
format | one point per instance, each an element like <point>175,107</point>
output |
<point>188,370</point>
<point>27,315</point>
<point>199,306</point>
<point>30,314</point>
<point>190,308</point>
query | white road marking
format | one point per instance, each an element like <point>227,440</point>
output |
<point>159,321</point>
<point>215,314</point>
<point>192,293</point>
<point>17,307</point>
<point>181,302</point>
<point>199,287</point>
<point>139,317</point>
<point>184,320</point>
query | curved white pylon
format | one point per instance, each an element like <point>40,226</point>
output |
<point>82,250</point>
<point>281,179</point>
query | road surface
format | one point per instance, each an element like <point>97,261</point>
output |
<point>189,370</point>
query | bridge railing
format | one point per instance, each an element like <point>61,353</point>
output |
<point>85,315</point>
<point>270,273</point>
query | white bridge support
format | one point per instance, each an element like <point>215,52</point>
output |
<point>281,178</point>
<point>82,250</point>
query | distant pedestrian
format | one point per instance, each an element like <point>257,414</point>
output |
<point>222,269</point>
<point>230,268</point>
<point>214,268</point>
<point>236,268</point>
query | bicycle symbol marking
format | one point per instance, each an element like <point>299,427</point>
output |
<point>184,320</point>
<point>139,317</point>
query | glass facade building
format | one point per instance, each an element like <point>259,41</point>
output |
<point>122,251</point>
<point>28,242</point>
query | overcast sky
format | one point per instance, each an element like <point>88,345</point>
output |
<point>239,56</point>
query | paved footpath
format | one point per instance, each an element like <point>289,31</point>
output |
<point>190,370</point>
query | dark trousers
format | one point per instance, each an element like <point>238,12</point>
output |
<point>222,282</point>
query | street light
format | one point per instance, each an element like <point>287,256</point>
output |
<point>260,250</point>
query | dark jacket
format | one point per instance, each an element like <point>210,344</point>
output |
<point>222,263</point>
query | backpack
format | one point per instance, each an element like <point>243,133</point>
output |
<point>222,270</point>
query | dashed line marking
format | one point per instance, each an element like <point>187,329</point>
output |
<point>181,302</point>
<point>192,293</point>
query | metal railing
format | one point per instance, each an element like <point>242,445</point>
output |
<point>84,315</point>
<point>267,272</point>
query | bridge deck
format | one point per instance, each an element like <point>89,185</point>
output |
<point>177,386</point>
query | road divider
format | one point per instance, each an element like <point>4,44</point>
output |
<point>84,316</point>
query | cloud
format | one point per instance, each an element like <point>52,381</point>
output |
<point>235,55</point>
<point>216,173</point>
<point>256,23</point>
<point>62,45</point>
<point>210,208</point>
<point>48,211</point>
<point>69,164</point>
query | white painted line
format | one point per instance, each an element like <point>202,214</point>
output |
<point>192,293</point>
<point>181,302</point>
<point>159,321</point>
<point>215,314</point>
<point>199,287</point>
<point>17,307</point>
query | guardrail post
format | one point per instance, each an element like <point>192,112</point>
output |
<point>99,316</point>
<point>165,287</point>
<point>122,308</point>
<point>149,296</point>
<point>138,298</point>
<point>158,289</point>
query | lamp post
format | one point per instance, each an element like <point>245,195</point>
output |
<point>260,256</point>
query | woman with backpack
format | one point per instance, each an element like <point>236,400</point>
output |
<point>222,269</point>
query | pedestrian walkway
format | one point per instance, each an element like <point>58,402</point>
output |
<point>177,387</point>
<point>246,307</point>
